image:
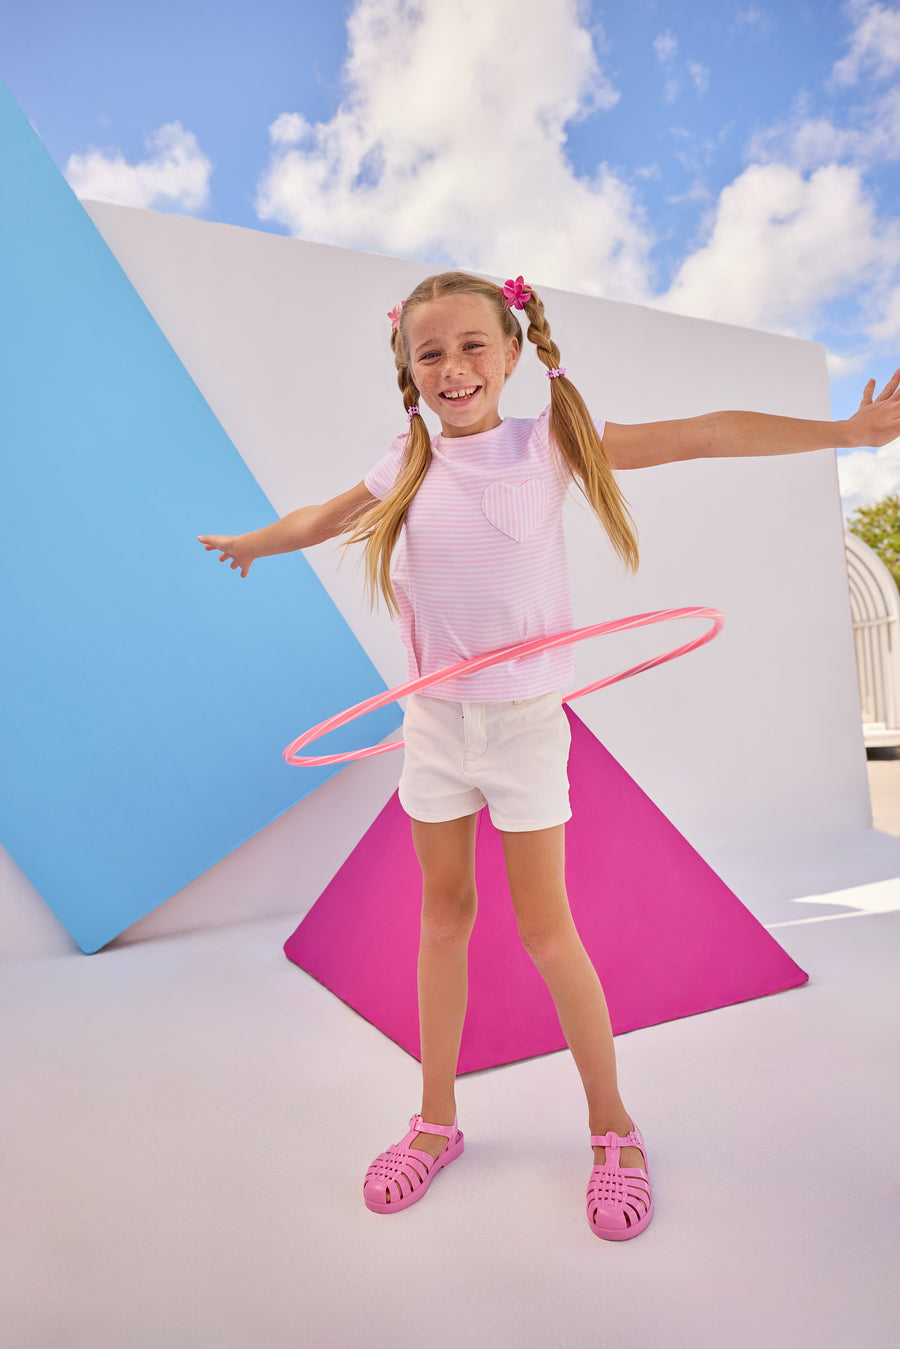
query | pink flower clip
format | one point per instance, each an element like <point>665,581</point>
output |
<point>516,293</point>
<point>394,316</point>
<point>411,412</point>
<point>555,374</point>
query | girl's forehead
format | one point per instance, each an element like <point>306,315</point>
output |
<point>451,313</point>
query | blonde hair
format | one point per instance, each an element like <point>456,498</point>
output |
<point>571,429</point>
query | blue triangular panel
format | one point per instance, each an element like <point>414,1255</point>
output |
<point>146,693</point>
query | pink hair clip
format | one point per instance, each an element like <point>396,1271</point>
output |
<point>394,316</point>
<point>411,412</point>
<point>555,374</point>
<point>516,293</point>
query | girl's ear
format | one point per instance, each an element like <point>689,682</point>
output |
<point>512,356</point>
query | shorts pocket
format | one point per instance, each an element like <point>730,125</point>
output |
<point>516,509</point>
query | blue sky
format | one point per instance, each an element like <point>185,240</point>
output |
<point>732,159</point>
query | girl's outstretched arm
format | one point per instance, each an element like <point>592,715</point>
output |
<point>300,529</point>
<point>720,434</point>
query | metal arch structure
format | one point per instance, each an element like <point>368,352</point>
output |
<point>875,610</point>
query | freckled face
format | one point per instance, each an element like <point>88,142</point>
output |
<point>460,361</point>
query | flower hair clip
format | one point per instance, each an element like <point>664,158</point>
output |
<point>394,316</point>
<point>516,293</point>
<point>412,412</point>
<point>555,374</point>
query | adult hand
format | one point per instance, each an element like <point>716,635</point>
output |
<point>232,546</point>
<point>877,420</point>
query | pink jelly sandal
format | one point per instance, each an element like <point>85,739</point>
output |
<point>400,1176</point>
<point>619,1201</point>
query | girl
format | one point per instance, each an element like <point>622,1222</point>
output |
<point>471,520</point>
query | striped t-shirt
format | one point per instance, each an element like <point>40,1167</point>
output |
<point>481,561</point>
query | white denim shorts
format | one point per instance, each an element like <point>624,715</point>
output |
<point>510,756</point>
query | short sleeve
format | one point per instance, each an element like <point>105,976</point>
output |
<point>382,477</point>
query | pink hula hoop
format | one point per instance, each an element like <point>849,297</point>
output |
<point>531,648</point>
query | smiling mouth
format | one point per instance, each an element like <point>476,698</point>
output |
<point>460,395</point>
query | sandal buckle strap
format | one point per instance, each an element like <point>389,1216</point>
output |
<point>446,1130</point>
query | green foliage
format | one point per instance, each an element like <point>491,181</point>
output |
<point>879,527</point>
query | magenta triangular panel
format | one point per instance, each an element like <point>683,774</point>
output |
<point>666,935</point>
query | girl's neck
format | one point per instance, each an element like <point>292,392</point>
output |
<point>454,433</point>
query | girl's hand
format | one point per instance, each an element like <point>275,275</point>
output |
<point>233,546</point>
<point>877,421</point>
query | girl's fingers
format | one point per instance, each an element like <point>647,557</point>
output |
<point>889,389</point>
<point>214,541</point>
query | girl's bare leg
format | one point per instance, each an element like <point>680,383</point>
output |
<point>535,865</point>
<point>446,854</point>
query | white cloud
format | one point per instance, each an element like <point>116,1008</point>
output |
<point>871,133</point>
<point>450,142</point>
<point>700,75</point>
<point>288,129</point>
<point>695,154</point>
<point>666,47</point>
<point>176,172</point>
<point>807,141</point>
<point>779,247</point>
<point>874,44</point>
<point>887,326</point>
<point>697,192</point>
<point>839,364</point>
<point>868,475</point>
<point>751,18</point>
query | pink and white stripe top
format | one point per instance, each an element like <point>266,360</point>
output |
<point>481,560</point>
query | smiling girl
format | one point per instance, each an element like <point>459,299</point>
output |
<point>463,538</point>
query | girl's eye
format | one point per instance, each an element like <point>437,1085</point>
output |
<point>430,355</point>
<point>433,355</point>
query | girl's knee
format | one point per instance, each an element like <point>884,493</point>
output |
<point>546,943</point>
<point>448,911</point>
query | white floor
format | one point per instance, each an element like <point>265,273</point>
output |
<point>186,1123</point>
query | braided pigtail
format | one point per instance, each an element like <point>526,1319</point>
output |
<point>379,528</point>
<point>577,439</point>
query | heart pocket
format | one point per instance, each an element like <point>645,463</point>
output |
<point>517,509</point>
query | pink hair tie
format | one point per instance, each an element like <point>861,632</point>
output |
<point>516,293</point>
<point>412,412</point>
<point>394,316</point>
<point>555,374</point>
